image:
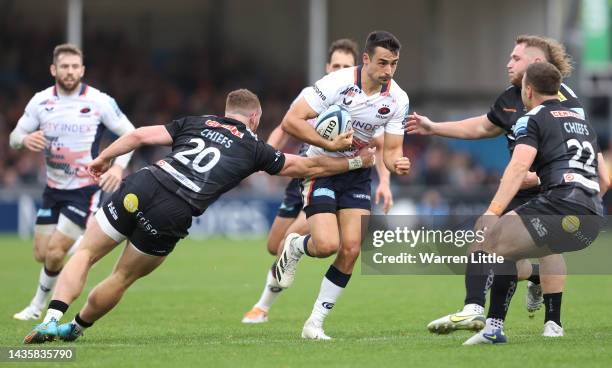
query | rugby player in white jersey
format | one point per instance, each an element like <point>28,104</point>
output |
<point>66,122</point>
<point>290,218</point>
<point>335,205</point>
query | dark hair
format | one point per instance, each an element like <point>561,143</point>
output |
<point>553,50</point>
<point>544,77</point>
<point>242,101</point>
<point>345,45</point>
<point>382,39</point>
<point>66,48</point>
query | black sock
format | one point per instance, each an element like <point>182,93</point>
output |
<point>52,273</point>
<point>85,324</point>
<point>552,303</point>
<point>306,252</point>
<point>502,289</point>
<point>58,305</point>
<point>337,277</point>
<point>476,275</point>
<point>535,274</point>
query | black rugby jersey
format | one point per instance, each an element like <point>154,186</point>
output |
<point>211,155</point>
<point>508,108</point>
<point>566,161</point>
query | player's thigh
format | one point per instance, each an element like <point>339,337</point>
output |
<point>134,264</point>
<point>324,231</point>
<point>99,238</point>
<point>510,238</point>
<point>277,232</point>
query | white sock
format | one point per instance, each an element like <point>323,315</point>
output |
<point>74,246</point>
<point>53,313</point>
<point>78,325</point>
<point>473,308</point>
<point>44,289</point>
<point>328,294</point>
<point>297,246</point>
<point>494,323</point>
<point>269,294</point>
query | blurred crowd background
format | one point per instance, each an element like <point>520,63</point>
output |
<point>154,79</point>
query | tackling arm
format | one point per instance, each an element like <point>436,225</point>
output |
<point>318,166</point>
<point>150,135</point>
<point>477,127</point>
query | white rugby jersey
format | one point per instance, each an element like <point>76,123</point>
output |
<point>73,126</point>
<point>370,115</point>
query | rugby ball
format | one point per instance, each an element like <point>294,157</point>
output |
<point>333,121</point>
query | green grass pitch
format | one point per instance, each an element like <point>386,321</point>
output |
<point>187,313</point>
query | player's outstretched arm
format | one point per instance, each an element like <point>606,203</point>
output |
<point>150,135</point>
<point>393,154</point>
<point>319,166</point>
<point>604,175</point>
<point>477,127</point>
<point>513,177</point>
<point>295,124</point>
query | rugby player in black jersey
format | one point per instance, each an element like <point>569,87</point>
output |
<point>567,214</point>
<point>504,113</point>
<point>153,207</point>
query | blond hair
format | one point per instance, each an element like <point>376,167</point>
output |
<point>553,50</point>
<point>66,48</point>
<point>242,101</point>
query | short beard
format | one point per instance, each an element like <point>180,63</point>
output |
<point>65,88</point>
<point>517,80</point>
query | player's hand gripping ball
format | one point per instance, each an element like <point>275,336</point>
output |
<point>332,122</point>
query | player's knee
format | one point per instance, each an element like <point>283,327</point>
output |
<point>39,255</point>
<point>524,269</point>
<point>55,253</point>
<point>350,250</point>
<point>491,242</point>
<point>325,247</point>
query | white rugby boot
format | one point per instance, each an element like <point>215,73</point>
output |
<point>286,264</point>
<point>313,331</point>
<point>552,329</point>
<point>470,318</point>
